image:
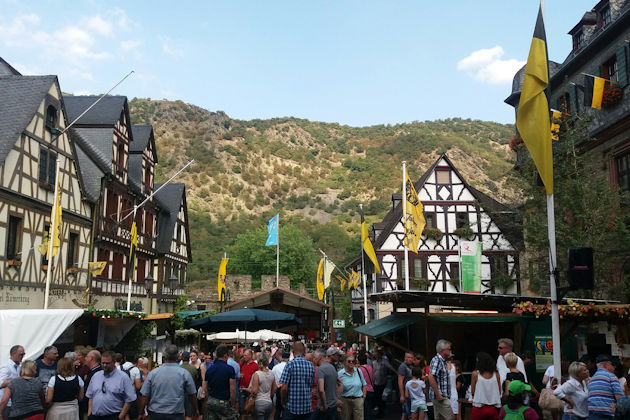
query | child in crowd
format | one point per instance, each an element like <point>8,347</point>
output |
<point>414,390</point>
<point>515,409</point>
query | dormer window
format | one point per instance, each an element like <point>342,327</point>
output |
<point>604,16</point>
<point>578,40</point>
<point>51,117</point>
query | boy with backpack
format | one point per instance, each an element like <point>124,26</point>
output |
<point>515,409</point>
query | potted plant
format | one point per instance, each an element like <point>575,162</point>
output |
<point>415,283</point>
<point>613,94</point>
<point>464,232</point>
<point>433,233</point>
<point>501,282</point>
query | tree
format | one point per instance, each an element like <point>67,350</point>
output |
<point>588,212</point>
<point>298,257</point>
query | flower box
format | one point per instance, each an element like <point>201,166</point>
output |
<point>612,95</point>
<point>463,232</point>
<point>433,233</point>
<point>14,263</point>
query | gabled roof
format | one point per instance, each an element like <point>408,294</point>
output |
<point>293,298</point>
<point>20,96</point>
<point>90,174</point>
<point>7,69</point>
<point>500,213</point>
<point>135,172</point>
<point>169,198</point>
<point>105,113</point>
<point>96,143</point>
<point>142,137</point>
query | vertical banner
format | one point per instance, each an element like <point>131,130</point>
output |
<point>471,266</point>
<point>544,352</point>
<point>272,230</point>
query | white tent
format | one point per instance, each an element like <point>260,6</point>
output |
<point>34,329</point>
<point>262,335</point>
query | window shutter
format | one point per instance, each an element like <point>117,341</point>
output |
<point>622,66</point>
<point>573,97</point>
<point>43,165</point>
<point>52,168</point>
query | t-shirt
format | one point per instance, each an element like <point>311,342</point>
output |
<point>405,371</point>
<point>25,396</point>
<point>529,414</point>
<point>218,377</point>
<point>327,372</point>
<point>45,372</point>
<point>513,376</point>
<point>549,374</point>
<point>277,370</point>
<point>416,391</point>
<point>247,370</point>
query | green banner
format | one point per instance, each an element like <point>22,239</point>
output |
<point>470,253</point>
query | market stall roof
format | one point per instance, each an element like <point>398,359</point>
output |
<point>419,299</point>
<point>288,297</point>
<point>242,318</point>
<point>389,324</point>
<point>154,317</point>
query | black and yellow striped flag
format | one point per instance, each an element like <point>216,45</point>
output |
<point>593,91</point>
<point>532,117</point>
<point>132,252</point>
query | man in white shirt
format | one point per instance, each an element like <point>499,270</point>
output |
<point>505,346</point>
<point>10,370</point>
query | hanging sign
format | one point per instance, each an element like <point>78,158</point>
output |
<point>470,253</point>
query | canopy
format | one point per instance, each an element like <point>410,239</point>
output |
<point>243,318</point>
<point>384,326</point>
<point>34,329</point>
<point>262,335</point>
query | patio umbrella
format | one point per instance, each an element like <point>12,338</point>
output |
<point>242,319</point>
<point>262,335</point>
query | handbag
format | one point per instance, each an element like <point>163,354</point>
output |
<point>249,404</point>
<point>548,401</point>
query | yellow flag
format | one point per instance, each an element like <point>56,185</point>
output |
<point>342,282</point>
<point>532,117</point>
<point>555,125</point>
<point>320,280</point>
<point>132,251</point>
<point>221,279</point>
<point>354,280</point>
<point>414,222</point>
<point>367,245</point>
<point>97,267</point>
<point>54,231</point>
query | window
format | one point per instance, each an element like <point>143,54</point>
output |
<point>430,219</point>
<point>126,211</point>
<point>604,16</point>
<point>103,255</point>
<point>51,117</point>
<point>578,40</point>
<point>461,220</point>
<point>13,238</point>
<point>73,250</point>
<point>498,266</point>
<point>609,69</point>
<point>121,156</point>
<point>117,268</point>
<point>443,176</point>
<point>418,268</point>
<point>47,168</point>
<point>148,177</point>
<point>141,270</point>
<point>148,223</point>
<point>623,172</point>
<point>111,210</point>
<point>454,267</point>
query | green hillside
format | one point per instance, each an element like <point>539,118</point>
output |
<point>314,174</point>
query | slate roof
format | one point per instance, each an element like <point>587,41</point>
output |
<point>20,96</point>
<point>105,113</point>
<point>97,143</point>
<point>141,136</point>
<point>7,69</point>
<point>90,174</point>
<point>169,199</point>
<point>135,172</point>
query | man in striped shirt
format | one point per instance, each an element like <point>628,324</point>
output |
<point>603,390</point>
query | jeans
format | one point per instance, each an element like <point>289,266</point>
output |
<point>378,399</point>
<point>262,410</point>
<point>593,416</point>
<point>368,405</point>
<point>278,413</point>
<point>287,415</point>
<point>329,414</point>
<point>566,416</point>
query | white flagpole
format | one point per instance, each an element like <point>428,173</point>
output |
<point>130,275</point>
<point>365,308</point>
<point>404,220</point>
<point>51,229</point>
<point>278,254</point>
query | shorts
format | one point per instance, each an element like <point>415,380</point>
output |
<point>418,406</point>
<point>442,409</point>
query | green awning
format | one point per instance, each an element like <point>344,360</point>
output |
<point>389,324</point>
<point>476,318</point>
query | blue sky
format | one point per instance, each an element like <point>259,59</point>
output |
<point>353,62</point>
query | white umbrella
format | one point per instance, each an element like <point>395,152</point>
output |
<point>237,335</point>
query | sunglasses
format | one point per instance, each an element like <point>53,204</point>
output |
<point>352,362</point>
<point>103,389</point>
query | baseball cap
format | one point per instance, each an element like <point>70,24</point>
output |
<point>603,358</point>
<point>516,387</point>
<point>332,350</point>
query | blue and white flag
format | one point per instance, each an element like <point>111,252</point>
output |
<point>272,229</point>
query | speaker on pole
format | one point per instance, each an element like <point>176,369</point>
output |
<point>581,274</point>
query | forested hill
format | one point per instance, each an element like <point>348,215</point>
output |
<point>313,173</point>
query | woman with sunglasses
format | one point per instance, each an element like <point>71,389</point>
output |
<point>354,389</point>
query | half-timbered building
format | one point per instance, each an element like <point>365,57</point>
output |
<point>32,142</point>
<point>453,210</point>
<point>173,242</point>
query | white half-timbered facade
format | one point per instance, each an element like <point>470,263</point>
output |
<point>32,119</point>
<point>455,208</point>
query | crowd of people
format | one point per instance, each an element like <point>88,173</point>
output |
<point>296,382</point>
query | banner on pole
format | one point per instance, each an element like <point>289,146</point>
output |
<point>470,253</point>
<point>272,230</point>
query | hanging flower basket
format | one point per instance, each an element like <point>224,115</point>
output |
<point>515,142</point>
<point>612,95</point>
<point>464,232</point>
<point>433,233</point>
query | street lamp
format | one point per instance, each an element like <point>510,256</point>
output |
<point>148,283</point>
<point>173,282</point>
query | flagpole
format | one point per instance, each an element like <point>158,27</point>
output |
<point>404,220</point>
<point>278,255</point>
<point>131,264</point>
<point>365,308</point>
<point>555,316</point>
<point>51,240</point>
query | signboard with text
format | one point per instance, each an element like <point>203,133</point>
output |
<point>339,323</point>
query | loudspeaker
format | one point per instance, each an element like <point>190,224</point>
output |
<point>581,274</point>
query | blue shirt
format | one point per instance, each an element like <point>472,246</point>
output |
<point>164,387</point>
<point>603,389</point>
<point>299,375</point>
<point>218,378</point>
<point>110,392</point>
<point>237,370</point>
<point>352,383</point>
<point>9,370</point>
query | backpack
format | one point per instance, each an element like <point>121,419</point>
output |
<point>514,414</point>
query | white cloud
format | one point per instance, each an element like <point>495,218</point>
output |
<point>487,66</point>
<point>99,25</point>
<point>169,49</point>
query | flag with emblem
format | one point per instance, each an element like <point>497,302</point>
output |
<point>132,252</point>
<point>221,280</point>
<point>414,218</point>
<point>320,280</point>
<point>97,267</point>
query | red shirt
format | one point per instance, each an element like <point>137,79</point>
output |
<point>247,371</point>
